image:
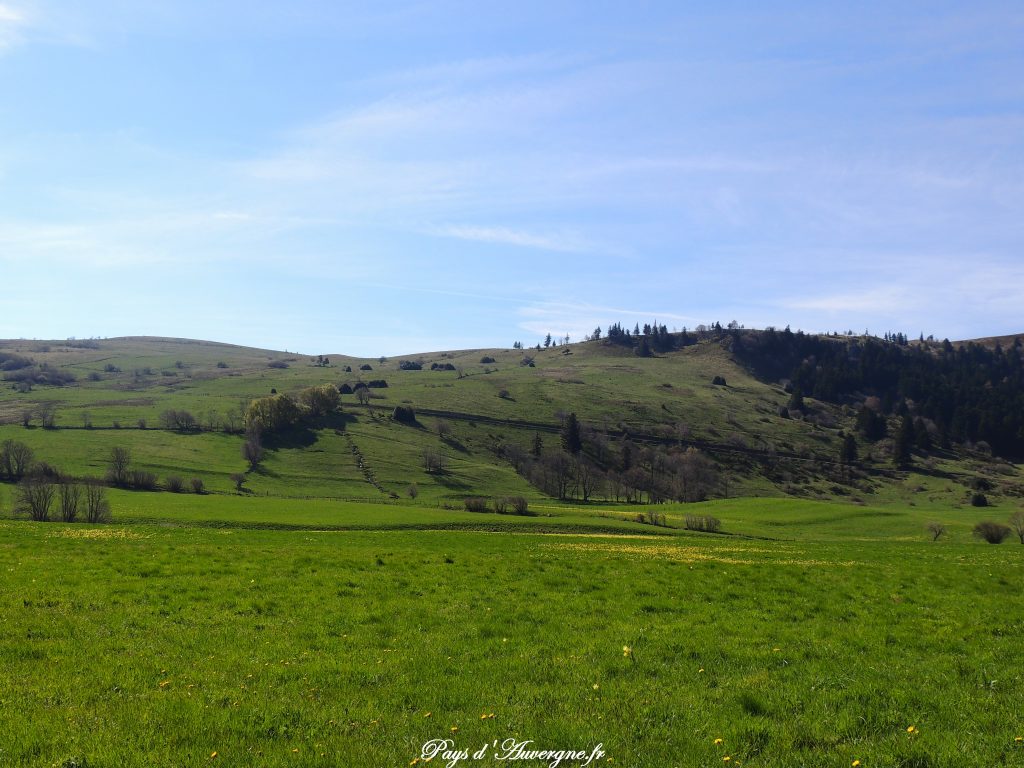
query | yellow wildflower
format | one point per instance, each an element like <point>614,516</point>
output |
<point>855,764</point>
<point>717,742</point>
<point>627,651</point>
<point>213,755</point>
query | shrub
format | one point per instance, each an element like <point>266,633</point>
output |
<point>476,504</point>
<point>501,505</point>
<point>222,364</point>
<point>503,394</point>
<point>365,367</point>
<point>174,484</point>
<point>486,360</point>
<point>404,414</point>
<point>706,523</point>
<point>377,384</point>
<point>277,364</point>
<point>239,480</point>
<point>197,485</point>
<point>412,491</point>
<point>142,480</point>
<point>979,500</point>
<point>993,533</point>
<point>320,400</point>
<point>719,381</point>
<point>410,365</point>
<point>937,530</point>
<point>180,421</point>
<point>519,505</point>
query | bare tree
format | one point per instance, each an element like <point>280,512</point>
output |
<point>433,460</point>
<point>252,448</point>
<point>117,466</point>
<point>239,480</point>
<point>97,510</point>
<point>70,500</point>
<point>15,459</point>
<point>443,429</point>
<point>35,497</point>
<point>1017,522</point>
<point>48,415</point>
<point>937,530</point>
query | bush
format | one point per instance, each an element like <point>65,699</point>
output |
<point>377,384</point>
<point>936,530</point>
<point>719,381</point>
<point>979,500</point>
<point>504,394</point>
<point>501,505</point>
<point>410,365</point>
<point>993,533</point>
<point>180,421</point>
<point>277,364</point>
<point>486,360</point>
<point>404,414</point>
<point>519,505</point>
<point>476,504</point>
<point>239,480</point>
<point>705,523</point>
<point>412,491</point>
<point>197,486</point>
<point>365,367</point>
<point>345,389</point>
<point>141,480</point>
<point>174,484</point>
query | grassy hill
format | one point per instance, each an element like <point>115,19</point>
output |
<point>479,409</point>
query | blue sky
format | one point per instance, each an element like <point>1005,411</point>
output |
<point>379,178</point>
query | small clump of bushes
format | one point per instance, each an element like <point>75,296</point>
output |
<point>705,523</point>
<point>503,505</point>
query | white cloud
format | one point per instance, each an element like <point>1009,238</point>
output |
<point>562,242</point>
<point>12,20</point>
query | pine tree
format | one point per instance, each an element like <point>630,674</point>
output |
<point>538,445</point>
<point>903,442</point>
<point>572,442</point>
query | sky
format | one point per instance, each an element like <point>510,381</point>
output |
<point>392,177</point>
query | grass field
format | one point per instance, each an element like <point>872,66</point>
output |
<point>152,645</point>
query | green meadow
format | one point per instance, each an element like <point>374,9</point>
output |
<point>323,615</point>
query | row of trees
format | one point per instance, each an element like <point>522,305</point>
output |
<point>43,498</point>
<point>586,466</point>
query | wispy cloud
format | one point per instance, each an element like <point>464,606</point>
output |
<point>562,242</point>
<point>12,22</point>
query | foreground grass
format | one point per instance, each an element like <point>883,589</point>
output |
<point>148,645</point>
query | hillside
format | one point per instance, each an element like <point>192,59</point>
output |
<point>653,428</point>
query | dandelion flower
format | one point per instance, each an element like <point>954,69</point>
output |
<point>855,764</point>
<point>912,729</point>
<point>700,671</point>
<point>1018,740</point>
<point>414,761</point>
<point>213,755</point>
<point>717,742</point>
<point>428,714</point>
<point>726,759</point>
<point>596,686</point>
<point>455,729</point>
<point>627,651</point>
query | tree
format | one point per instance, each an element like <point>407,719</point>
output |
<point>1017,521</point>
<point>35,497</point>
<point>537,449</point>
<point>937,530</point>
<point>320,400</point>
<point>15,459</point>
<point>903,442</point>
<point>272,414</point>
<point>239,480</point>
<point>70,500</point>
<point>572,442</point>
<point>97,510</point>
<point>433,460</point>
<point>796,400</point>
<point>547,341</point>
<point>252,448</point>
<point>117,466</point>
<point>848,451</point>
